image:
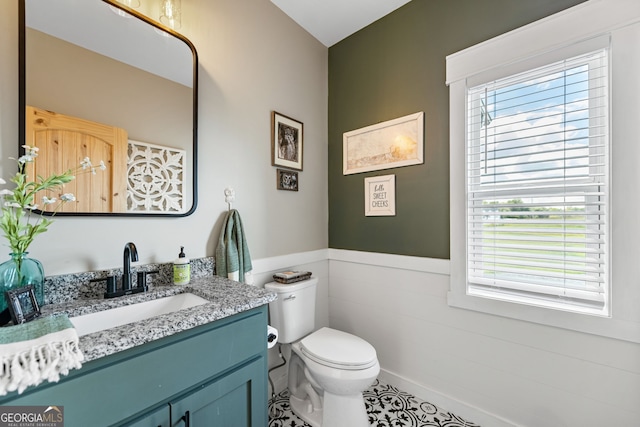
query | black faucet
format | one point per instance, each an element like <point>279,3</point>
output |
<point>130,254</point>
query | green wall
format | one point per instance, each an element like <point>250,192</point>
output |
<point>392,68</point>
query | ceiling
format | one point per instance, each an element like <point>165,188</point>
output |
<point>96,26</point>
<point>330,21</point>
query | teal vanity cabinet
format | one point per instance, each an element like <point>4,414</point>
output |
<point>211,375</point>
<point>222,402</point>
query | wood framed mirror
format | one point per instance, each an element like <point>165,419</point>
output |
<point>100,80</point>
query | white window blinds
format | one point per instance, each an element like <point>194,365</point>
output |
<point>537,186</point>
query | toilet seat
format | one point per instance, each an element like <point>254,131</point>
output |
<point>337,349</point>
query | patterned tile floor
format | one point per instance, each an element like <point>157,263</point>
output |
<point>386,405</point>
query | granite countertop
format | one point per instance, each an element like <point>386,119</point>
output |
<point>226,299</point>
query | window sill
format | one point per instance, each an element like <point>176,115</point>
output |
<point>603,326</point>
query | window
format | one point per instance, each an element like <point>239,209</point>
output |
<point>537,179</point>
<point>570,160</point>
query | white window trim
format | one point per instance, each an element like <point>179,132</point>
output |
<point>520,49</point>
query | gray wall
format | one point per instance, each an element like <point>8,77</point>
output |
<point>150,108</point>
<point>392,68</point>
<point>253,59</point>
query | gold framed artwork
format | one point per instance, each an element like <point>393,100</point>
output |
<point>391,144</point>
<point>287,141</point>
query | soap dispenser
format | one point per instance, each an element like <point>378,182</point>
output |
<point>181,269</point>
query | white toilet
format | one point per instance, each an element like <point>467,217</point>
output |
<point>329,369</point>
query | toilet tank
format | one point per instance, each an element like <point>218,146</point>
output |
<point>293,312</point>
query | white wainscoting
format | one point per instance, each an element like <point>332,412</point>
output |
<point>490,370</point>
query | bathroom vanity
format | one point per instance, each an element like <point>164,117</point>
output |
<point>204,365</point>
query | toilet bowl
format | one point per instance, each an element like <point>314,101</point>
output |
<point>328,369</point>
<point>338,367</point>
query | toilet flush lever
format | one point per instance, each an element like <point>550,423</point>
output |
<point>290,298</point>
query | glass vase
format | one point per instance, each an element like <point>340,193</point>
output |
<point>18,272</point>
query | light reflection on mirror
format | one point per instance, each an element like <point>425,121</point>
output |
<point>80,60</point>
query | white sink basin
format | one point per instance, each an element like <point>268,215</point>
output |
<point>107,319</point>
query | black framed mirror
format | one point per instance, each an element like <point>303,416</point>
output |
<point>100,80</point>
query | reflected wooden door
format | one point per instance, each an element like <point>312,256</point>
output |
<point>63,142</point>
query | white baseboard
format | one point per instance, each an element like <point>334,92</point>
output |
<point>468,412</point>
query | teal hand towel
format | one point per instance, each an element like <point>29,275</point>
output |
<point>40,350</point>
<point>233,260</point>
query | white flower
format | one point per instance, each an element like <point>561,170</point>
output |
<point>68,197</point>
<point>30,151</point>
<point>18,224</point>
<point>102,165</point>
<point>26,159</point>
<point>85,163</point>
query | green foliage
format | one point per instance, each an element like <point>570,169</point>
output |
<point>18,222</point>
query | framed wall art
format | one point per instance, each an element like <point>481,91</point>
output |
<point>287,180</point>
<point>380,196</point>
<point>391,144</point>
<point>287,142</point>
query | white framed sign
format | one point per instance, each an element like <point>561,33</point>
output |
<point>380,196</point>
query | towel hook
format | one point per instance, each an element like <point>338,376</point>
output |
<point>229,196</point>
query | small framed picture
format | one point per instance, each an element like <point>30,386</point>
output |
<point>22,304</point>
<point>380,196</point>
<point>287,142</point>
<point>287,180</point>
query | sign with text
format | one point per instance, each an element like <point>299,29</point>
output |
<point>380,196</point>
<point>31,416</point>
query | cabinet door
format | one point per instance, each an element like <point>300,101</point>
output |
<point>157,418</point>
<point>237,399</point>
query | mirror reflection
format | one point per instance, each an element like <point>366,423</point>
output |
<point>114,87</point>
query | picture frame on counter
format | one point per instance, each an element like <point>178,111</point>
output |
<point>287,141</point>
<point>287,180</point>
<point>22,303</point>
